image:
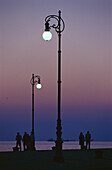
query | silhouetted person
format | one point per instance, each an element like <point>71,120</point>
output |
<point>32,141</point>
<point>28,142</point>
<point>81,140</point>
<point>25,141</point>
<point>18,140</point>
<point>88,139</point>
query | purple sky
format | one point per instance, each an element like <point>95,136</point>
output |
<point>86,68</point>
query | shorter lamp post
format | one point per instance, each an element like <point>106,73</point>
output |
<point>35,80</point>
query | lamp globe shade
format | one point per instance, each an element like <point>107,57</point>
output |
<point>38,86</point>
<point>47,35</point>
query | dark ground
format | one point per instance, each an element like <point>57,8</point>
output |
<point>95,159</point>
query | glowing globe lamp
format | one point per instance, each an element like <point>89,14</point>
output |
<point>38,86</point>
<point>47,35</point>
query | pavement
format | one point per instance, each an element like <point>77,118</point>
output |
<point>94,159</point>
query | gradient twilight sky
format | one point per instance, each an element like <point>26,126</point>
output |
<point>86,68</point>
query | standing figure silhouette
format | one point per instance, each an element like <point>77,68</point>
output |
<point>88,140</point>
<point>81,140</point>
<point>18,140</point>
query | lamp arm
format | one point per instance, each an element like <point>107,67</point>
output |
<point>56,27</point>
<point>33,81</point>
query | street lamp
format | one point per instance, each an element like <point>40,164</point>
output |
<point>35,80</point>
<point>47,36</point>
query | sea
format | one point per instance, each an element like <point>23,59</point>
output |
<point>47,145</point>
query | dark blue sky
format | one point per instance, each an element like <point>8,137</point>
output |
<point>96,120</point>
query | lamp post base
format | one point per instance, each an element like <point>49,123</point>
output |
<point>59,158</point>
<point>58,151</point>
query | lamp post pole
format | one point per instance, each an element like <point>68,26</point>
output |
<point>33,103</point>
<point>33,81</point>
<point>58,156</point>
<point>59,141</point>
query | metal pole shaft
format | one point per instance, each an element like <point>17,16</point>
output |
<point>33,104</point>
<point>59,69</point>
<point>58,157</point>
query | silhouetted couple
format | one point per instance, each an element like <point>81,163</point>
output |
<point>28,141</point>
<point>88,140</point>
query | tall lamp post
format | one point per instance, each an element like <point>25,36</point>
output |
<point>35,80</point>
<point>47,36</point>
